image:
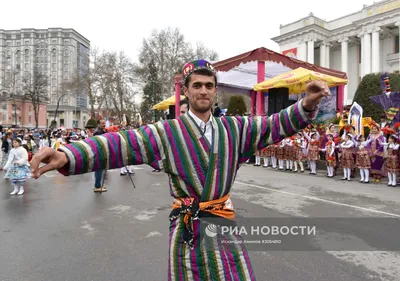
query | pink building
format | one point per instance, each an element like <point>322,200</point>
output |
<point>20,113</point>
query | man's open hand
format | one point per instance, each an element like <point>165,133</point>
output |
<point>315,91</point>
<point>52,158</point>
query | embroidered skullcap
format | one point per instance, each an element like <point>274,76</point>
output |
<point>190,67</point>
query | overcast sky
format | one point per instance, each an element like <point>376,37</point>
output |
<point>229,27</point>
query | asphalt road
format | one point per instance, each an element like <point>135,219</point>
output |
<point>60,230</point>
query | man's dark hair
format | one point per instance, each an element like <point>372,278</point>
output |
<point>98,121</point>
<point>204,72</point>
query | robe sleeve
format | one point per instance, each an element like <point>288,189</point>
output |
<point>114,150</point>
<point>261,131</point>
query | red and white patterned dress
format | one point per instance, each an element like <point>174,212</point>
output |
<point>392,161</point>
<point>297,150</point>
<point>266,152</point>
<point>313,152</point>
<point>330,154</point>
<point>363,160</point>
<point>347,159</point>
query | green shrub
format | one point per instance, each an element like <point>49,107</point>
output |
<point>91,123</point>
<point>371,86</point>
<point>236,106</point>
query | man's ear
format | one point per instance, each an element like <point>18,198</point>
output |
<point>185,90</point>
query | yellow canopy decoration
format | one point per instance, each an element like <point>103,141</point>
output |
<point>297,80</point>
<point>164,105</point>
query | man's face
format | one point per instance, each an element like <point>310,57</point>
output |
<point>102,124</point>
<point>184,109</point>
<point>201,92</point>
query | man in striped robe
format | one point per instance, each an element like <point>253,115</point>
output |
<point>201,155</point>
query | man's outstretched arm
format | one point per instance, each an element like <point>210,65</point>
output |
<point>107,151</point>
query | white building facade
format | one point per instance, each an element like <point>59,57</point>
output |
<point>60,54</point>
<point>358,44</point>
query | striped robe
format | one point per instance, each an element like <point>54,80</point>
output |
<point>196,168</point>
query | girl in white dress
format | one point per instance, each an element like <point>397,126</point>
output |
<point>17,167</point>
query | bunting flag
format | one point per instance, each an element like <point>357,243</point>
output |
<point>124,118</point>
<point>107,122</point>
<point>391,113</point>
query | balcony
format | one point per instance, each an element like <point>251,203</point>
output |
<point>392,59</point>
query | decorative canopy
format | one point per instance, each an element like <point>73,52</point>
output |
<point>164,105</point>
<point>241,71</point>
<point>296,81</point>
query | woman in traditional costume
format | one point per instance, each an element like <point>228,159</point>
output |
<point>392,163</point>
<point>376,151</point>
<point>363,161</point>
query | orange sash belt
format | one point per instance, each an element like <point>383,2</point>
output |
<point>193,210</point>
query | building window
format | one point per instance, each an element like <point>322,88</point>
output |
<point>30,108</point>
<point>30,119</point>
<point>396,44</point>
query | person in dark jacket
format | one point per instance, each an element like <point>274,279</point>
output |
<point>6,146</point>
<point>98,175</point>
<point>217,110</point>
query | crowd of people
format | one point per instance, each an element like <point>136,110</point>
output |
<point>19,145</point>
<point>376,154</point>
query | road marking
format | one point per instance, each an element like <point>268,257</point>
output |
<point>320,199</point>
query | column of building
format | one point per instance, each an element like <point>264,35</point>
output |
<point>398,25</point>
<point>344,42</point>
<point>375,59</point>
<point>367,52</point>
<point>324,52</point>
<point>302,55</point>
<point>310,50</point>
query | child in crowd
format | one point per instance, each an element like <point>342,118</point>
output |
<point>313,151</point>
<point>17,167</point>
<point>347,159</point>
<point>392,162</point>
<point>329,155</point>
<point>363,161</point>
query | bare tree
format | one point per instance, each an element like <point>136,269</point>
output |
<point>169,51</point>
<point>10,84</point>
<point>65,89</point>
<point>117,83</point>
<point>35,90</point>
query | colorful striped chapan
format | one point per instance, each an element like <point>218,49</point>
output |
<point>197,169</point>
